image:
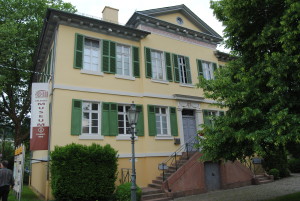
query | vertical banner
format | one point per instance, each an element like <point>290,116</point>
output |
<point>19,170</point>
<point>39,128</point>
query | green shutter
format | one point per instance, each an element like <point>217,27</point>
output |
<point>105,119</point>
<point>173,120</point>
<point>135,62</point>
<point>215,69</point>
<point>113,119</point>
<point>148,64</point>
<point>76,118</point>
<point>112,54</point>
<point>188,70</point>
<point>176,68</point>
<point>206,118</point>
<point>140,122</point>
<point>105,56</point>
<point>168,66</point>
<point>151,120</point>
<point>200,67</point>
<point>78,56</point>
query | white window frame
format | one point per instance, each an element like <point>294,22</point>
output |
<point>167,119</point>
<point>182,70</point>
<point>124,117</point>
<point>90,119</point>
<point>87,71</point>
<point>122,61</point>
<point>208,70</point>
<point>162,61</point>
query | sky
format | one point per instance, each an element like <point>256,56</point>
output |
<point>127,7</point>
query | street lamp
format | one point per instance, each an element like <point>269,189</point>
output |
<point>132,115</point>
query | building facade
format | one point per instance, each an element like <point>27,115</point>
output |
<point>96,68</point>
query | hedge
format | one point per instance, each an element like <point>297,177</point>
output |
<point>83,173</point>
<point>123,192</point>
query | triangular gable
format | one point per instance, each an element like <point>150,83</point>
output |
<point>190,20</point>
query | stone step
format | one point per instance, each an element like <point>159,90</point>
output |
<point>265,181</point>
<point>157,186</point>
<point>157,181</point>
<point>154,196</point>
<point>161,199</point>
<point>148,190</point>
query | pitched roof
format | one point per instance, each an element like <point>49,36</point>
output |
<point>184,11</point>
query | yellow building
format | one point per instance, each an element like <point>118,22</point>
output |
<point>99,67</point>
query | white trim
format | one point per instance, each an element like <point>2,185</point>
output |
<point>45,160</point>
<point>122,93</point>
<point>160,81</point>
<point>126,77</point>
<point>142,155</point>
<point>187,85</point>
<point>90,137</point>
<point>126,137</point>
<point>164,137</point>
<point>83,71</point>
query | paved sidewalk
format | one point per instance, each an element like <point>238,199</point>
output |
<point>251,193</point>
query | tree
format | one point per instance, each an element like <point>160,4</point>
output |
<point>21,22</point>
<point>261,87</point>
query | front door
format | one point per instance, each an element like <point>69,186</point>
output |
<point>212,176</point>
<point>189,124</point>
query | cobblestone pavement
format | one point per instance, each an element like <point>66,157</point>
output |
<point>251,193</point>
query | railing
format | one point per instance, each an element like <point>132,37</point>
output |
<point>125,175</point>
<point>191,145</point>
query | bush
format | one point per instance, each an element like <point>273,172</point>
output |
<point>123,192</point>
<point>274,172</point>
<point>294,165</point>
<point>83,173</point>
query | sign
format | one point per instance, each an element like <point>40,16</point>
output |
<point>19,170</point>
<point>39,128</point>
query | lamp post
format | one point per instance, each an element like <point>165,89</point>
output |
<point>132,115</point>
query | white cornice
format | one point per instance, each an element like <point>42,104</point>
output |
<point>126,93</point>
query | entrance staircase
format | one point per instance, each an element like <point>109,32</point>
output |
<point>263,179</point>
<point>154,191</point>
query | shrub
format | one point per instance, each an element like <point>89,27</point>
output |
<point>83,173</point>
<point>294,165</point>
<point>123,192</point>
<point>274,172</point>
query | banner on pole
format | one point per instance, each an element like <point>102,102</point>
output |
<point>39,129</point>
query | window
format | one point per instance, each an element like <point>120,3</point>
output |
<point>206,69</point>
<point>158,68</point>
<point>183,70</point>
<point>123,124</point>
<point>179,20</point>
<point>161,120</point>
<point>90,118</point>
<point>209,116</point>
<point>91,59</point>
<point>123,60</point>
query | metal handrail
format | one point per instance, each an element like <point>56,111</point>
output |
<point>172,160</point>
<point>125,175</point>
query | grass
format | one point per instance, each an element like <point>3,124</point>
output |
<point>290,197</point>
<point>27,195</point>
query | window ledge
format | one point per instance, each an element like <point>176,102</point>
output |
<point>163,137</point>
<point>124,77</point>
<point>160,81</point>
<point>91,72</point>
<point>91,137</point>
<point>187,85</point>
<point>125,137</point>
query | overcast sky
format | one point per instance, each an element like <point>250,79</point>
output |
<point>127,7</point>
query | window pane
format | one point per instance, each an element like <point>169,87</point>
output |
<point>86,115</point>
<point>94,129</point>
<point>86,106</point>
<point>85,129</point>
<point>94,122</point>
<point>165,131</point>
<point>156,110</point>
<point>121,123</point>
<point>121,130</point>
<point>120,108</point>
<point>94,106</point>
<point>163,110</point>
